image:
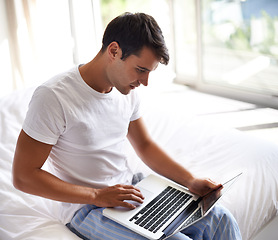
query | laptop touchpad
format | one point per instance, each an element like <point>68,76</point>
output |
<point>147,195</point>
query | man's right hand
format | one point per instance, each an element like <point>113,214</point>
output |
<point>117,195</point>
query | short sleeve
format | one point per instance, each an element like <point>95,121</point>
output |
<point>45,120</point>
<point>136,110</point>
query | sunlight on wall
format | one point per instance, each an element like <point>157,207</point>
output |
<point>6,82</point>
<point>6,78</point>
<point>44,45</point>
<point>53,39</point>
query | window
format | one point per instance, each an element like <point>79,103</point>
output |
<point>237,49</point>
<point>225,47</point>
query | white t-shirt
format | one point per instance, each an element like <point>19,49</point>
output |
<point>86,128</point>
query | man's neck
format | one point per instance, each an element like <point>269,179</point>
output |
<point>93,73</point>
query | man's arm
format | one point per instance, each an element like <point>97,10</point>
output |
<point>28,176</point>
<point>161,163</point>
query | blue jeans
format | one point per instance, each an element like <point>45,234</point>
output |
<point>89,223</point>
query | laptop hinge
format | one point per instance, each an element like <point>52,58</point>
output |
<point>181,218</point>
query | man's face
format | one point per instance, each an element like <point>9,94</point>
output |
<point>128,74</point>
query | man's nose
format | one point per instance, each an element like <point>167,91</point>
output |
<point>145,80</point>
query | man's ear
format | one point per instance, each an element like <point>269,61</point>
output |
<point>114,50</point>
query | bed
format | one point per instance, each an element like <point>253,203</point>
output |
<point>179,122</point>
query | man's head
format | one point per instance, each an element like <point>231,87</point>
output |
<point>133,32</point>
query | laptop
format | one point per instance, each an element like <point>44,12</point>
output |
<point>167,209</point>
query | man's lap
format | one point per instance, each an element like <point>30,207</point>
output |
<point>89,223</point>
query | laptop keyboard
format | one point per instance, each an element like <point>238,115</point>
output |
<point>156,213</point>
<point>197,215</point>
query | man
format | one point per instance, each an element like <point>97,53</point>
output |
<point>79,122</point>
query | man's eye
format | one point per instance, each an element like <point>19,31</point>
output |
<point>140,70</point>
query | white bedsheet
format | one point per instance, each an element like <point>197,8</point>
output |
<point>205,149</point>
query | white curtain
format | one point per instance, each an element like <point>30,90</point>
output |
<point>39,38</point>
<point>20,36</point>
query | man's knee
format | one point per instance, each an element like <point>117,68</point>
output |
<point>224,224</point>
<point>221,213</point>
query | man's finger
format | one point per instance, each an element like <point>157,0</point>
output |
<point>131,190</point>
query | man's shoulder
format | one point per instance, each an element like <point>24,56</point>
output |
<point>62,78</point>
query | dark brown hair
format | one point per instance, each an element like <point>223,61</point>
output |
<point>133,32</point>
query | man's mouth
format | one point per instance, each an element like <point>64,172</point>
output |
<point>134,86</point>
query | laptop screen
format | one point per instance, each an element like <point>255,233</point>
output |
<point>209,199</point>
